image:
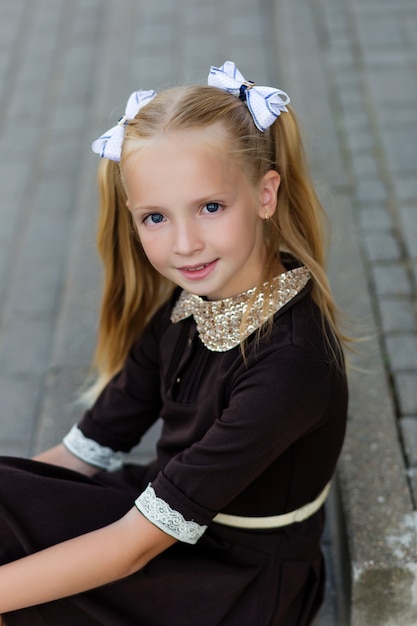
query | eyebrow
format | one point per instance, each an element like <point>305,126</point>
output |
<point>213,197</point>
<point>152,209</point>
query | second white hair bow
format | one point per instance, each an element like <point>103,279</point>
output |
<point>264,103</point>
<point>109,145</point>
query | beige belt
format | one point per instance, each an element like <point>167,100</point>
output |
<point>274,521</point>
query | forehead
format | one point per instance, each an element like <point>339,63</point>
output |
<point>211,138</point>
<point>182,157</point>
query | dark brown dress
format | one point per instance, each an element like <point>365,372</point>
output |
<point>252,435</point>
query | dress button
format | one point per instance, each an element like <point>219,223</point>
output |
<point>178,380</point>
<point>190,341</point>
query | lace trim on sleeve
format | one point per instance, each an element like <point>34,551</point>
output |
<point>170,521</point>
<point>92,452</point>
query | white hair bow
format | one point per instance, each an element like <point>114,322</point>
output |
<point>264,103</point>
<point>109,145</point>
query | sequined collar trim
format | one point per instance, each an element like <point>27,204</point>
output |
<point>219,321</point>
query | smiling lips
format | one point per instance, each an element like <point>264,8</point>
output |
<point>197,272</point>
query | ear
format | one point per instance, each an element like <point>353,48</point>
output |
<point>268,192</point>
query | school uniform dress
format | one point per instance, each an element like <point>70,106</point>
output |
<point>252,433</point>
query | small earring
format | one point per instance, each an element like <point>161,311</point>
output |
<point>266,218</point>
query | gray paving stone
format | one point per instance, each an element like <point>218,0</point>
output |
<point>61,155</point>
<point>77,320</point>
<point>350,90</point>
<point>53,198</point>
<point>198,49</point>
<point>387,58</point>
<point>39,295</point>
<point>391,280</point>
<point>405,115</point>
<point>377,29</point>
<point>160,31</point>
<point>24,345</point>
<point>342,61</point>
<point>20,396</point>
<point>354,118</point>
<point>408,427</point>
<point>375,218</point>
<point>246,25</point>
<point>28,102</point>
<point>411,28</point>
<point>340,37</point>
<point>358,141</point>
<point>18,448</point>
<point>334,16</point>
<point>382,246</point>
<point>405,186</point>
<point>21,139</point>
<point>397,315</point>
<point>162,8</point>
<point>371,189</point>
<point>203,16</point>
<point>406,386</point>
<point>15,176</point>
<point>9,222</point>
<point>400,149</point>
<point>234,6</point>
<point>402,351</point>
<point>364,165</point>
<point>341,45</point>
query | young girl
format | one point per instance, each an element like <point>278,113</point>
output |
<point>218,318</point>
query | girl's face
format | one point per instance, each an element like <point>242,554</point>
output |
<point>199,220</point>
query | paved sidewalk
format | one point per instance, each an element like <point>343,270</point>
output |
<point>354,82</point>
<point>66,69</point>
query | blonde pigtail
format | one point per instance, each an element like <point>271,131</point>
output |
<point>300,219</point>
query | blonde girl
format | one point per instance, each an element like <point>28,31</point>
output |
<point>217,317</point>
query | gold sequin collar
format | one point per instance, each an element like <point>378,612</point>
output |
<point>219,321</point>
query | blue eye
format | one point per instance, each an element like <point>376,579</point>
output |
<point>154,218</point>
<point>212,207</point>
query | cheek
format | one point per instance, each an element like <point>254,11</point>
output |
<point>149,249</point>
<point>241,230</point>
<point>153,248</point>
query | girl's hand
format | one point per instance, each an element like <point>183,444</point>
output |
<point>83,563</point>
<point>59,455</point>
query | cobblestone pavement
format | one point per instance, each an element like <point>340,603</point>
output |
<point>66,69</point>
<point>370,54</point>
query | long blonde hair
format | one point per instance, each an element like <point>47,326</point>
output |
<point>133,290</point>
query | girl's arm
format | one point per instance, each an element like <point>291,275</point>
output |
<point>83,563</point>
<point>59,455</point>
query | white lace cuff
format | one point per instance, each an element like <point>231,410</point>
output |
<point>171,522</point>
<point>92,452</point>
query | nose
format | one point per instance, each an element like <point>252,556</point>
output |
<point>187,238</point>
